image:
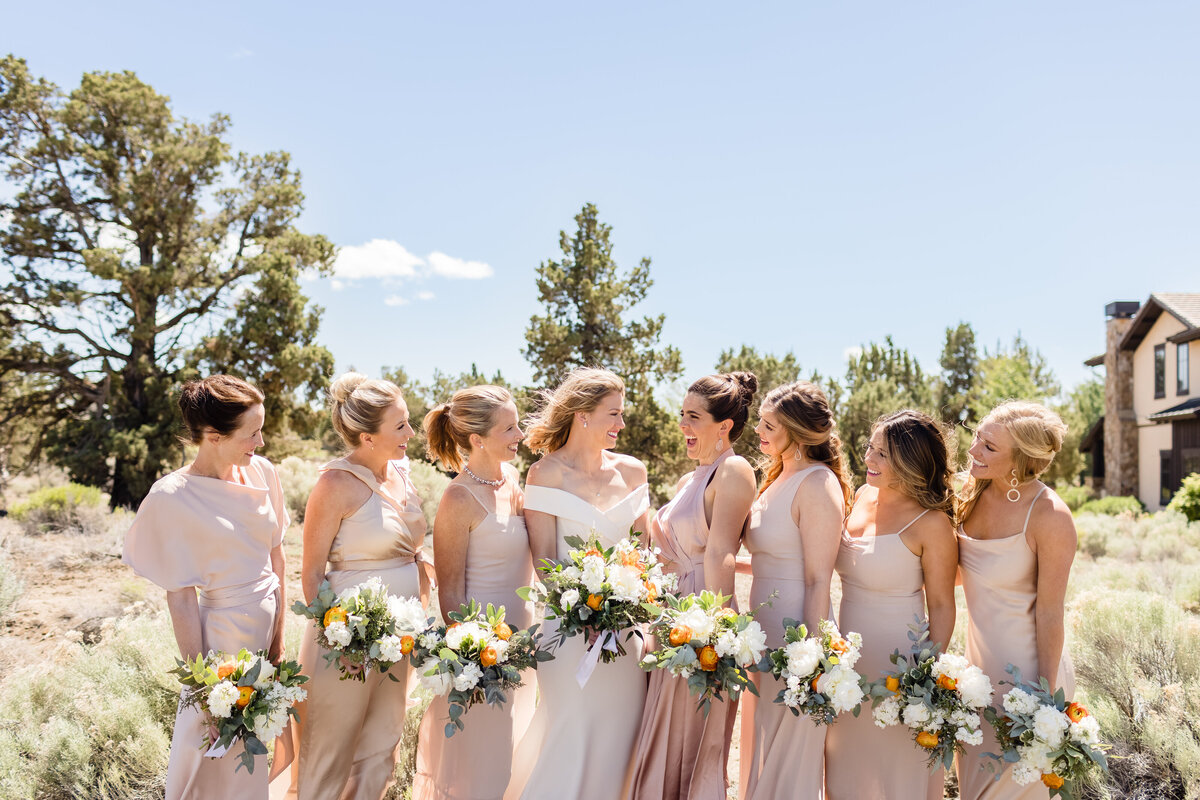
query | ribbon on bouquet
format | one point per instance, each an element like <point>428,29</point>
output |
<point>587,664</point>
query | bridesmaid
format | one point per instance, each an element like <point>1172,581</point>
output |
<point>211,534</point>
<point>580,742</point>
<point>793,535</point>
<point>363,520</point>
<point>481,552</point>
<point>1016,542</point>
<point>681,753</point>
<point>898,556</point>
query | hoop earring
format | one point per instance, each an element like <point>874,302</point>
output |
<point>798,455</point>
<point>1014,483</point>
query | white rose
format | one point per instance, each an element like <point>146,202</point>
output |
<point>726,644</point>
<point>803,656</point>
<point>408,614</point>
<point>469,677</point>
<point>698,621</point>
<point>221,699</point>
<point>500,646</point>
<point>436,682</point>
<point>467,630</point>
<point>1037,755</point>
<point>974,687</point>
<point>338,634</point>
<point>1087,730</point>
<point>1049,725</point>
<point>266,676</point>
<point>950,665</point>
<point>626,583</point>
<point>840,685</point>
<point>752,643</point>
<point>569,598</point>
<point>572,573</point>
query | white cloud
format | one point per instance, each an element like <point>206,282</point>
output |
<point>395,300</point>
<point>456,268</point>
<point>378,258</point>
<point>425,295</point>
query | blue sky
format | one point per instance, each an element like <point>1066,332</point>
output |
<point>805,176</point>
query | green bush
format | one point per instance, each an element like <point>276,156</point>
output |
<point>430,483</point>
<point>1187,500</point>
<point>297,477</point>
<point>1164,536</point>
<point>62,508</point>
<point>10,587</point>
<point>1075,496</point>
<point>1112,505</point>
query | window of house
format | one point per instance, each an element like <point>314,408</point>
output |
<point>1181,368</point>
<point>1166,487</point>
<point>1160,370</point>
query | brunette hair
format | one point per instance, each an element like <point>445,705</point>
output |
<point>215,403</point>
<point>728,396</point>
<point>803,411</point>
<point>919,457</point>
<point>581,391</point>
<point>357,404</point>
<point>448,426</point>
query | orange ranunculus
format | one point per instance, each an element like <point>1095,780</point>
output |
<point>651,592</point>
<point>1075,712</point>
<point>1052,780</point>
<point>502,631</point>
<point>487,656</point>
<point>813,682</point>
<point>335,614</point>
<point>946,682</point>
<point>630,558</point>
<point>839,645</point>
<point>708,658</point>
<point>406,644</point>
<point>592,551</point>
<point>452,626</point>
<point>225,669</point>
<point>893,684</point>
<point>594,601</point>
<point>680,634</point>
<point>724,612</point>
<point>927,739</point>
<point>244,695</point>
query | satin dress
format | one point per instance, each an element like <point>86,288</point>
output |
<point>999,578</point>
<point>348,730</point>
<point>680,752</point>
<point>883,593</point>
<point>580,742</point>
<point>216,536</point>
<point>476,762</point>
<point>788,755</point>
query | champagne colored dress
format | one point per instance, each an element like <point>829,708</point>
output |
<point>216,536</point>
<point>680,752</point>
<point>475,763</point>
<point>580,742</point>
<point>349,730</point>
<point>999,578</point>
<point>788,756</point>
<point>883,593</point>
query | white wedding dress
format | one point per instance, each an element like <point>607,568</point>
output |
<point>580,743</point>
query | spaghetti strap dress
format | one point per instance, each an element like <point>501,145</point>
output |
<point>580,742</point>
<point>682,754</point>
<point>883,593</point>
<point>475,763</point>
<point>999,579</point>
<point>217,536</point>
<point>788,755</point>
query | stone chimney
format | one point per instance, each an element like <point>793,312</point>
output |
<point>1120,422</point>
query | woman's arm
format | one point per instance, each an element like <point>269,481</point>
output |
<point>185,619</point>
<point>458,513</point>
<point>1054,543</point>
<point>819,512</point>
<point>322,518</point>
<point>279,567</point>
<point>543,533</point>
<point>939,564</point>
<point>734,485</point>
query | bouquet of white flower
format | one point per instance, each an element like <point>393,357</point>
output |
<point>364,627</point>
<point>477,658</point>
<point>708,644</point>
<point>244,698</point>
<point>939,697</point>
<point>1045,737</point>
<point>817,671</point>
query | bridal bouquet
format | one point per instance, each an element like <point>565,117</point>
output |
<point>244,698</point>
<point>939,697</point>
<point>818,671</point>
<point>1046,738</point>
<point>364,627</point>
<point>477,658</point>
<point>707,643</point>
<point>601,590</point>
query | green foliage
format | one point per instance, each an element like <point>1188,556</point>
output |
<point>10,588</point>
<point>956,385</point>
<point>297,476</point>
<point>1018,372</point>
<point>1187,500</point>
<point>1139,539</point>
<point>1075,496</point>
<point>58,509</point>
<point>1083,407</point>
<point>771,371</point>
<point>430,484</point>
<point>114,266</point>
<point>1112,505</point>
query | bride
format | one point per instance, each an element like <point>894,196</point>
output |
<point>580,742</point>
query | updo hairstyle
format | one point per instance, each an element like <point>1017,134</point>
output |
<point>357,405</point>
<point>448,426</point>
<point>728,396</point>
<point>803,411</point>
<point>580,392</point>
<point>215,403</point>
<point>919,457</point>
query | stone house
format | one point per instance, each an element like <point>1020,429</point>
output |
<point>1149,437</point>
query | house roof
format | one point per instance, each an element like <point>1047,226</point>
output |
<point>1189,408</point>
<point>1095,361</point>
<point>1184,306</point>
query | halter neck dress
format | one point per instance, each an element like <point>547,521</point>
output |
<point>475,763</point>
<point>883,593</point>
<point>680,752</point>
<point>999,578</point>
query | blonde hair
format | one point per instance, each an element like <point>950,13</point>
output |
<point>580,392</point>
<point>448,426</point>
<point>803,411</point>
<point>357,405</point>
<point>1037,434</point>
<point>919,457</point>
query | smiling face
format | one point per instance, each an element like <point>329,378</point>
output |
<point>394,432</point>
<point>604,422</point>
<point>700,430</point>
<point>238,447</point>
<point>992,452</point>
<point>505,435</point>
<point>879,469</point>
<point>773,440</point>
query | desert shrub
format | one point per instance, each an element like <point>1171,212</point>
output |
<point>297,477</point>
<point>62,508</point>
<point>1075,496</point>
<point>1187,500</point>
<point>1137,665</point>
<point>1112,505</point>
<point>430,484</point>
<point>1163,536</point>
<point>10,587</point>
<point>96,722</point>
